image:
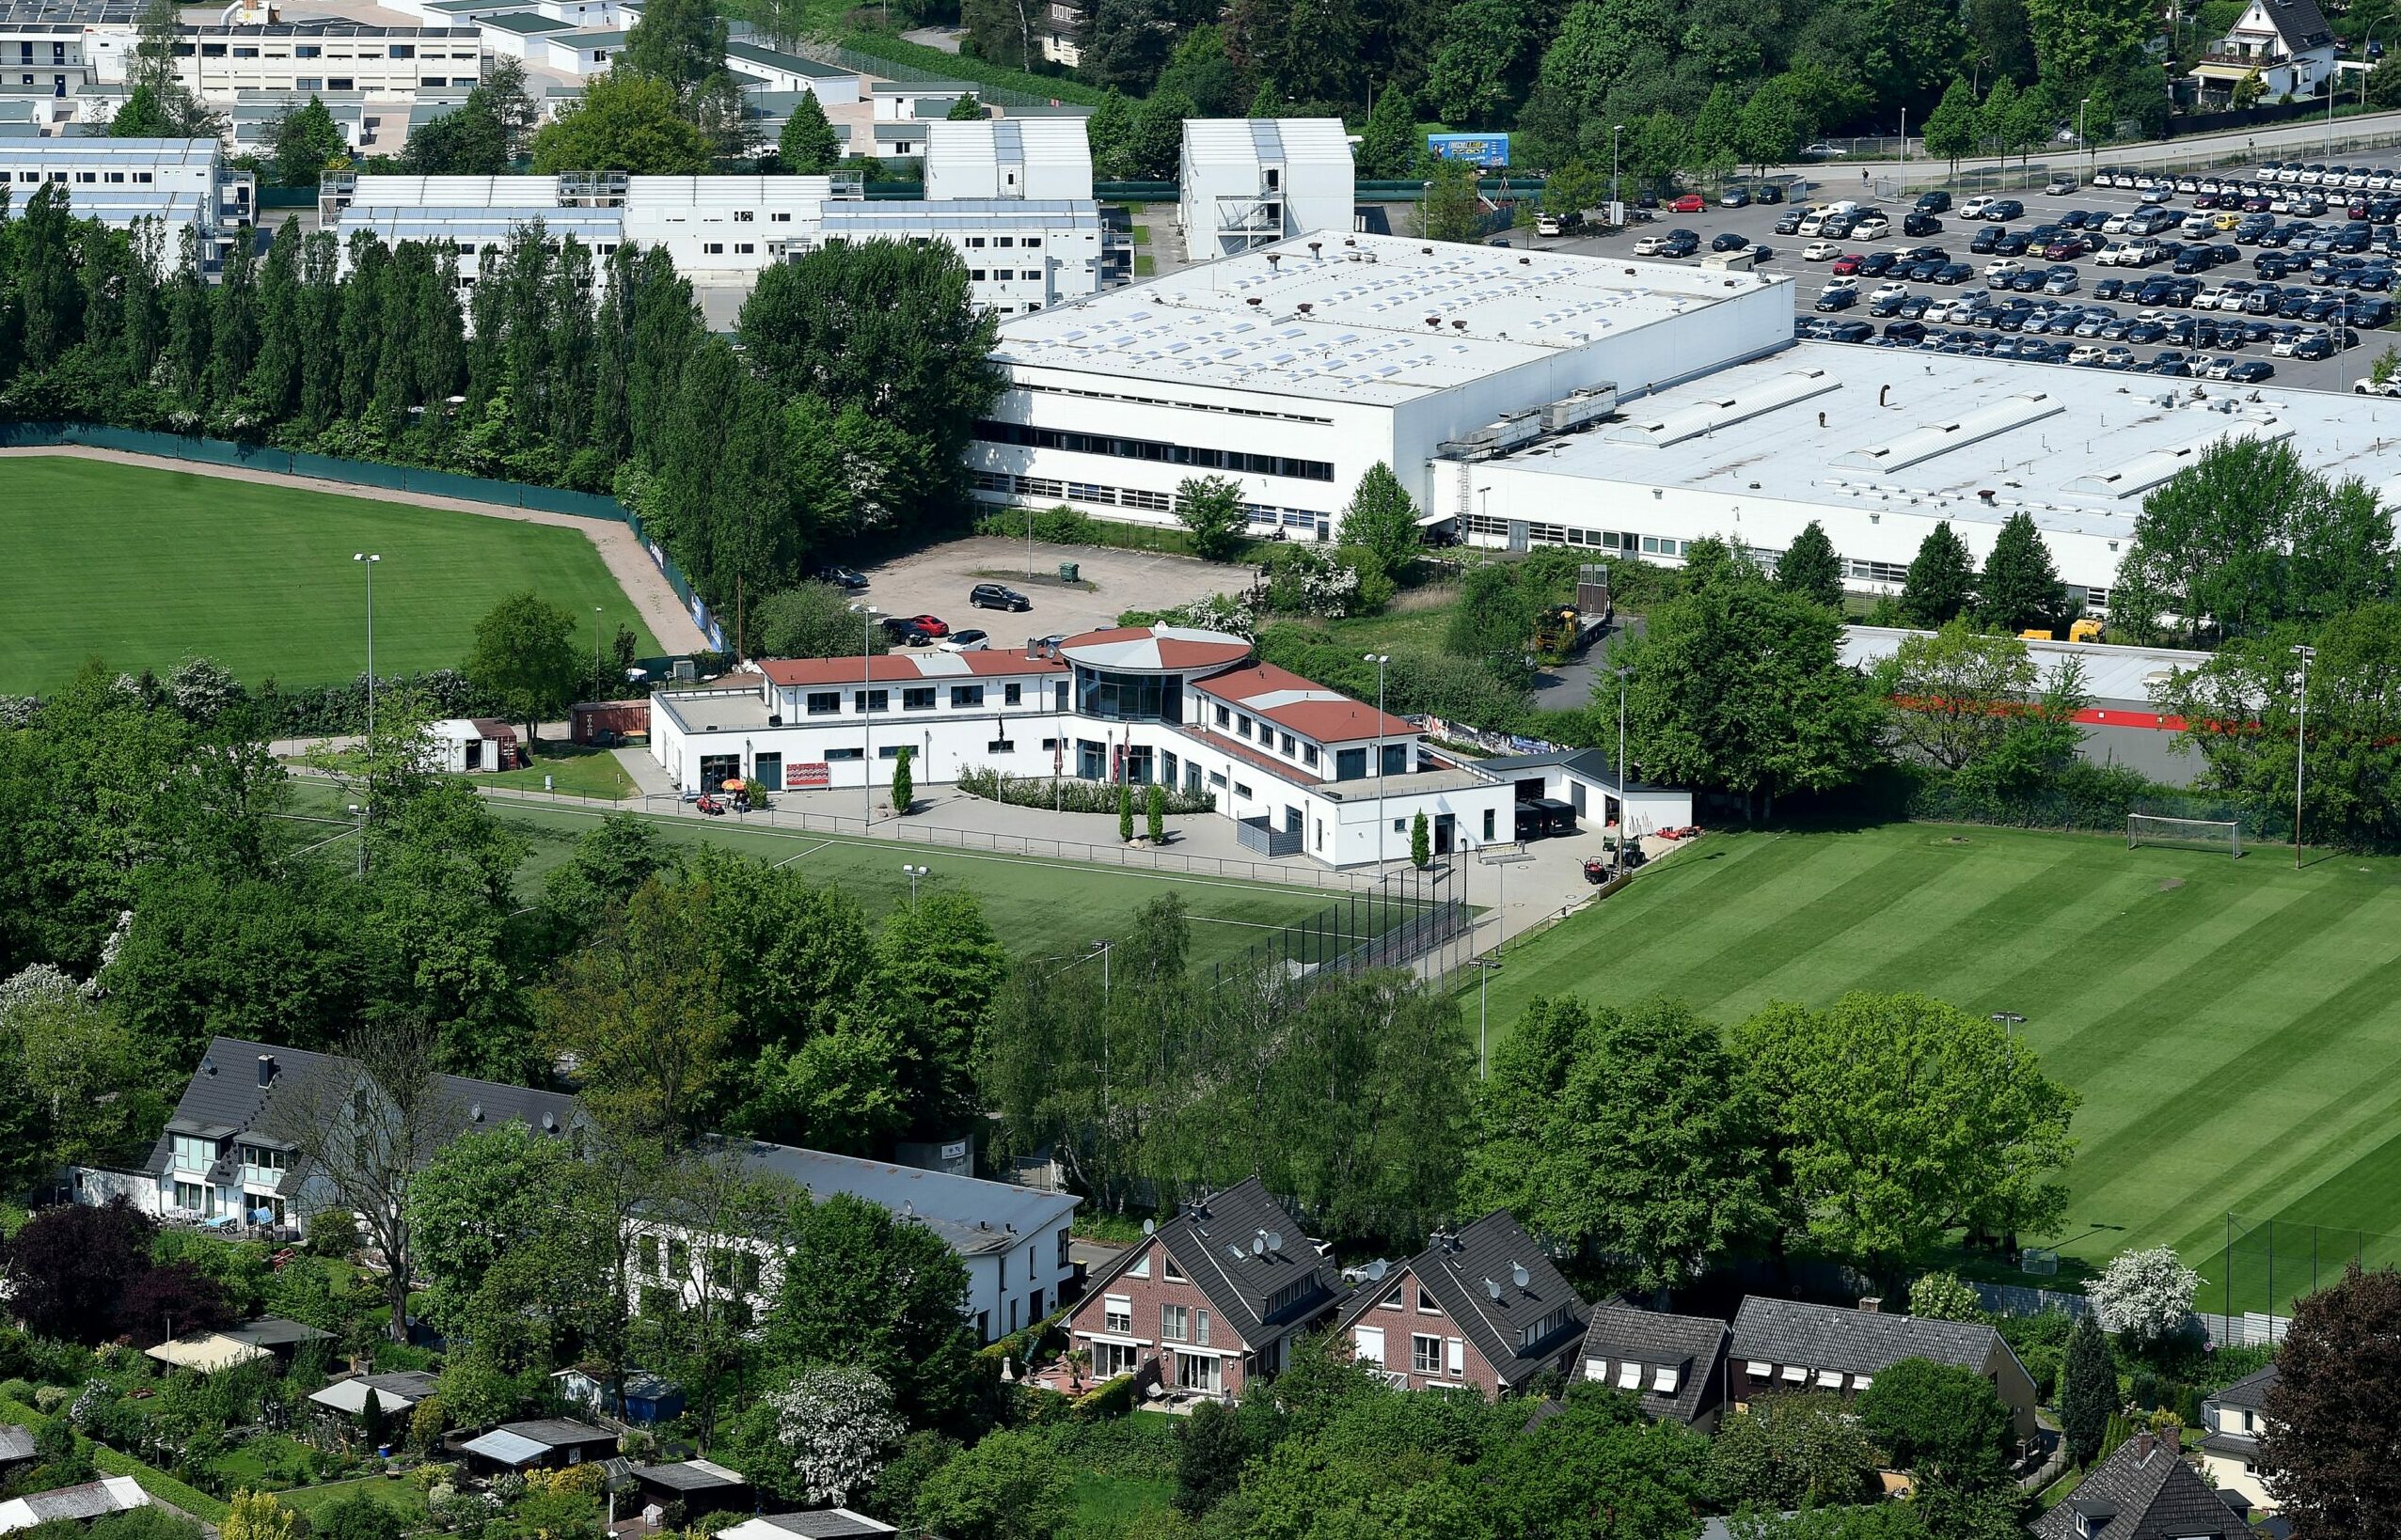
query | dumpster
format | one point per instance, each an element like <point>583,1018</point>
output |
<point>1068,571</point>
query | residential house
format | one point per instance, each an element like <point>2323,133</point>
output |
<point>1675,1365</point>
<point>1783,1344</point>
<point>1481,1306</point>
<point>396,1394</point>
<point>92,1500</point>
<point>701,1486</point>
<point>2143,1491</point>
<point>1211,1299</point>
<point>548,1442</point>
<point>815,1524</point>
<point>228,1154</point>
<point>2231,1424</point>
<point>2285,43</point>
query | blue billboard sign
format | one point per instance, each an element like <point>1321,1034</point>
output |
<point>1487,150</point>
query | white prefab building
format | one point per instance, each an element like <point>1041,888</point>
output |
<point>1042,159</point>
<point>911,102</point>
<point>1878,446</point>
<point>1248,182</point>
<point>1303,769</point>
<point>1021,255</point>
<point>179,183</point>
<point>219,62</point>
<point>1295,368</point>
<point>831,85</point>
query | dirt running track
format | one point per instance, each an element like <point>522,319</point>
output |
<point>627,562</point>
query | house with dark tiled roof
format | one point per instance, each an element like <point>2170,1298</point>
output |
<point>1675,1365</point>
<point>1481,1306</point>
<point>1212,1298</point>
<point>228,1154</point>
<point>2285,43</point>
<point>2143,1491</point>
<point>1784,1346</point>
<point>2231,1424</point>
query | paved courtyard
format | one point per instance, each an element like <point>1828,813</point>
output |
<point>936,582</point>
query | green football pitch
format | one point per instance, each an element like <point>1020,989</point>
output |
<point>142,568</point>
<point>2233,1027</point>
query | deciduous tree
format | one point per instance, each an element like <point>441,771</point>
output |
<point>2329,1426</point>
<point>1216,513</point>
<point>862,1286</point>
<point>1791,1452</point>
<point>525,652</point>
<point>821,1438</point>
<point>643,1012</point>
<point>1946,1423</point>
<point>1383,517</point>
<point>1008,1486</point>
<point>624,121</point>
<point>2144,1295</point>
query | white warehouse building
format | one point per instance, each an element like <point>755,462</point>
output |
<point>1245,182</point>
<point>1295,368</point>
<point>1879,444</point>
<point>1304,770</point>
<point>180,183</point>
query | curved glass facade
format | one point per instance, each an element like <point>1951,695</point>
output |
<point>1130,698</point>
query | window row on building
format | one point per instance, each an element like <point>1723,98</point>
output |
<point>1025,435</point>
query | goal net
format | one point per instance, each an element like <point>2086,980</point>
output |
<point>2212,834</point>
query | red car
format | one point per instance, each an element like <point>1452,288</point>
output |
<point>1846,265</point>
<point>1689,203</point>
<point>932,625</point>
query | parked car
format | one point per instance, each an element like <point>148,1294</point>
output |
<point>2252,371</point>
<point>842,577</point>
<point>1917,224</point>
<point>1934,202</point>
<point>1837,299</point>
<point>1847,265</point>
<point>1689,203</point>
<point>1820,251</point>
<point>1734,198</point>
<point>2060,187</point>
<point>1728,241</point>
<point>966,641</point>
<point>2004,209</point>
<point>997,596</point>
<point>904,631</point>
<point>932,625</point>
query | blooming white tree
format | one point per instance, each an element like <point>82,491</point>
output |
<point>837,1424</point>
<point>2144,1294</point>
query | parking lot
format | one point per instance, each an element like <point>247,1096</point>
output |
<point>937,581</point>
<point>1756,224</point>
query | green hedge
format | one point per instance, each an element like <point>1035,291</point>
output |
<point>1069,794</point>
<point>1113,1398</point>
<point>158,1484</point>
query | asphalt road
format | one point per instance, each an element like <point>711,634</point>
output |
<point>1809,279</point>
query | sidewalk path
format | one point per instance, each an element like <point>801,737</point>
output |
<point>627,562</point>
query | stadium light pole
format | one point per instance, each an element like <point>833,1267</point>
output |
<point>867,614</point>
<point>914,872</point>
<point>1378,659</point>
<point>2007,1021</point>
<point>1484,967</point>
<point>1625,824</point>
<point>1615,131</point>
<point>596,644</point>
<point>2300,749</point>
<point>367,560</point>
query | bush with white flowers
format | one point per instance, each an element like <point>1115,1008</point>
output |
<point>2144,1294</point>
<point>836,1424</point>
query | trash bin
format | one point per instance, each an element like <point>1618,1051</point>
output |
<point>1068,571</point>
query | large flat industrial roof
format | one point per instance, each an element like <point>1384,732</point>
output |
<point>1373,318</point>
<point>1872,427</point>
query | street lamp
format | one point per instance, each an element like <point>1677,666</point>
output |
<point>1625,824</point>
<point>1485,967</point>
<point>1378,659</point>
<point>2083,143</point>
<point>1615,131</point>
<point>914,872</point>
<point>367,560</point>
<point>2301,750</point>
<point>867,614</point>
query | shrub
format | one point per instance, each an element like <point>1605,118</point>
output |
<point>1059,525</point>
<point>1067,793</point>
<point>1113,1398</point>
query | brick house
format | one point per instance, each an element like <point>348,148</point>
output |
<point>1675,1365</point>
<point>1213,1297</point>
<point>1783,1344</point>
<point>1481,1306</point>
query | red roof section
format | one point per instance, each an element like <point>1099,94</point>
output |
<point>1327,721</point>
<point>1174,652</point>
<point>904,668</point>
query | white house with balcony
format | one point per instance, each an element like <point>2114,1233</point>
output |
<point>1245,182</point>
<point>2287,43</point>
<point>1301,769</point>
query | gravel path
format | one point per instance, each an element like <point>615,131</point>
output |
<point>627,562</point>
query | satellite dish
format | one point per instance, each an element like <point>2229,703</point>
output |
<point>1376,1269</point>
<point>1518,1273</point>
<point>1150,1227</point>
<point>1275,1240</point>
<point>1258,1246</point>
<point>1494,1289</point>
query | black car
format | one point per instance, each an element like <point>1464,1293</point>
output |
<point>1850,331</point>
<point>1681,243</point>
<point>1876,264</point>
<point>1728,241</point>
<point>905,632</point>
<point>997,596</point>
<point>1789,223</point>
<point>1837,299</point>
<point>2010,245</point>
<point>1954,273</point>
<point>2110,289</point>
<point>1767,192</point>
<point>1934,202</point>
<point>2004,209</point>
<point>1986,239</point>
<point>842,577</point>
<point>1906,331</point>
<point>2252,371</point>
<point>1920,224</point>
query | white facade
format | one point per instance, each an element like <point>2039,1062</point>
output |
<point>1021,255</point>
<point>1250,183</point>
<point>911,102</point>
<point>45,60</point>
<point>832,85</point>
<point>1042,159</point>
<point>180,183</point>
<point>1311,770</point>
<point>2287,43</point>
<point>1295,368</point>
<point>218,63</point>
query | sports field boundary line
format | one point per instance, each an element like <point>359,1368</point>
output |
<point>620,551</point>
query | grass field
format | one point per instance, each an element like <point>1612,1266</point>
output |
<point>142,568</point>
<point>2233,1027</point>
<point>1035,904</point>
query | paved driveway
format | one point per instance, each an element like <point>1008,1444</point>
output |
<point>937,581</point>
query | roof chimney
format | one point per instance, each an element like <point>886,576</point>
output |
<point>2143,1443</point>
<point>1872,1304</point>
<point>267,1069</point>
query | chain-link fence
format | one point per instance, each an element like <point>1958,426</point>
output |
<point>2262,1266</point>
<point>1409,917</point>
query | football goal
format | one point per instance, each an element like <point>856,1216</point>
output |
<point>2212,834</point>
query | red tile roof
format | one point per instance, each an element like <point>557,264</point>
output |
<point>1326,715</point>
<point>908,667</point>
<point>1174,647</point>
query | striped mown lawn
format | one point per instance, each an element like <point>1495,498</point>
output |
<point>2233,1027</point>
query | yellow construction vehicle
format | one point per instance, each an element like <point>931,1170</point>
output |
<point>1555,632</point>
<point>2085,631</point>
<point>2036,636</point>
